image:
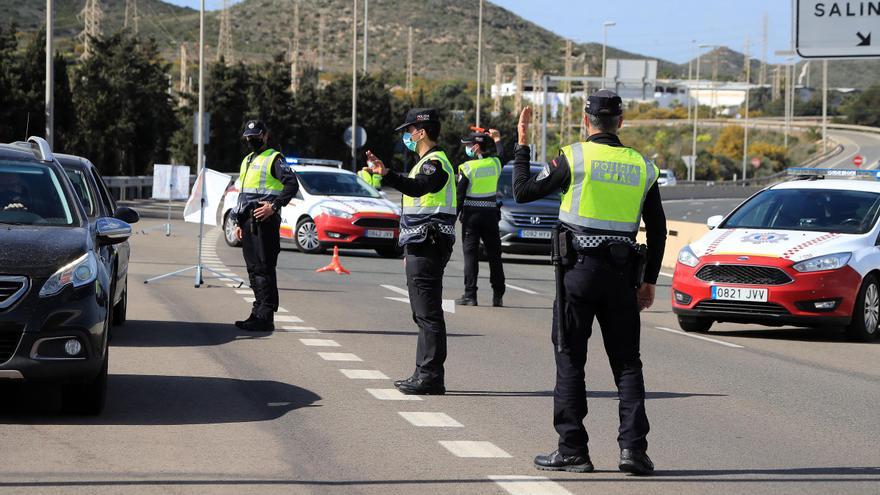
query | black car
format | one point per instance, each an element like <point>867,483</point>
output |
<point>525,228</point>
<point>57,277</point>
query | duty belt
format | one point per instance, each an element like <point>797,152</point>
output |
<point>583,242</point>
<point>477,203</point>
<point>422,229</point>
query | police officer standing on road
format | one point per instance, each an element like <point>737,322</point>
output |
<point>427,232</point>
<point>477,199</point>
<point>267,184</point>
<point>607,188</point>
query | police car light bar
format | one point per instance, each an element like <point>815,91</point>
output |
<point>821,173</point>
<point>313,161</point>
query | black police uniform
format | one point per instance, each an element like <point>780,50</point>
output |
<point>261,241</point>
<point>479,221</point>
<point>428,242</point>
<point>596,288</point>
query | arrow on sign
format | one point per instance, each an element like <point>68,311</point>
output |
<point>865,40</point>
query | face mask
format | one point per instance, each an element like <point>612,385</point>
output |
<point>408,142</point>
<point>469,151</point>
<point>255,143</point>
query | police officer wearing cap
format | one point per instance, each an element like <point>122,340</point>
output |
<point>607,189</point>
<point>478,205</point>
<point>427,232</point>
<point>266,184</point>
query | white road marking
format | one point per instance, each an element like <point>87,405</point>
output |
<point>288,319</point>
<point>430,419</point>
<point>399,299</point>
<point>338,356</point>
<point>229,274</point>
<point>391,394</point>
<point>282,310</point>
<point>250,299</point>
<point>224,279</point>
<point>707,339</point>
<point>364,374</point>
<point>400,291</point>
<point>473,449</point>
<point>528,485</point>
<point>521,289</point>
<point>448,304</point>
<point>230,285</point>
<point>295,329</point>
<point>666,274</point>
<point>320,342</point>
<point>243,291</point>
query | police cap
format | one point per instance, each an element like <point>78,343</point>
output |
<point>605,103</point>
<point>254,128</point>
<point>418,116</point>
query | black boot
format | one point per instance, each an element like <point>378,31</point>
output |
<point>635,462</point>
<point>466,300</point>
<point>258,325</point>
<point>412,378</point>
<point>497,300</point>
<point>241,323</point>
<point>421,386</point>
<point>559,462</point>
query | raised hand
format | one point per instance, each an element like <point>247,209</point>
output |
<point>525,119</point>
<point>375,164</point>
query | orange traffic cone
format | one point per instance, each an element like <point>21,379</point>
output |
<point>334,265</point>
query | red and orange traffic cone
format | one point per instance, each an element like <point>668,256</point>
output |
<point>335,265</point>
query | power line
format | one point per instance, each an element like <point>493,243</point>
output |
<point>91,16</point>
<point>224,41</point>
<point>294,53</point>
<point>131,16</point>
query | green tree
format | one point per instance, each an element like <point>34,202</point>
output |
<point>862,110</point>
<point>226,98</point>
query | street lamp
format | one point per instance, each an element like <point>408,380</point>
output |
<point>693,174</point>
<point>605,26</point>
<point>50,74</point>
<point>479,59</point>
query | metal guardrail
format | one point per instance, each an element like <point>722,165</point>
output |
<point>134,187</point>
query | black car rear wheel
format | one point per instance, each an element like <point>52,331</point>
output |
<point>88,398</point>
<point>121,308</point>
<point>694,324</point>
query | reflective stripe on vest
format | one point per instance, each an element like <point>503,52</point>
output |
<point>257,178</point>
<point>442,201</point>
<point>482,177</point>
<point>608,187</point>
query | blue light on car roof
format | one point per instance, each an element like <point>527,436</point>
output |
<point>291,160</point>
<point>832,172</point>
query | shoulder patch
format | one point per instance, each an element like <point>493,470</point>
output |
<point>553,163</point>
<point>428,168</point>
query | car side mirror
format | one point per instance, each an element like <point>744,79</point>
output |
<point>714,221</point>
<point>111,231</point>
<point>126,214</point>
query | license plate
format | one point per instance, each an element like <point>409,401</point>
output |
<point>535,234</point>
<point>738,294</point>
<point>381,234</point>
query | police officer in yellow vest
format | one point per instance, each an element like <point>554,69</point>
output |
<point>266,184</point>
<point>427,232</point>
<point>374,180</point>
<point>607,189</point>
<point>477,199</point>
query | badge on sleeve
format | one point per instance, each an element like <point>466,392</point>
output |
<point>428,168</point>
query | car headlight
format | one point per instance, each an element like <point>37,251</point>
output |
<point>335,212</point>
<point>79,272</point>
<point>826,262</point>
<point>687,257</point>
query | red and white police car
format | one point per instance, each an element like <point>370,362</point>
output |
<point>333,207</point>
<point>805,252</point>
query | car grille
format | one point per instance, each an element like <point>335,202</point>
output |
<point>377,223</point>
<point>11,290</point>
<point>743,308</point>
<point>528,220</point>
<point>743,274</point>
<point>10,334</point>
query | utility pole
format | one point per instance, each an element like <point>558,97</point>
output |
<point>566,109</point>
<point>321,41</point>
<point>224,41</point>
<point>517,99</point>
<point>693,171</point>
<point>824,105</point>
<point>366,18</point>
<point>50,73</point>
<point>762,78</point>
<point>131,16</point>
<point>605,26</point>
<point>496,98</point>
<point>690,82</point>
<point>746,127</point>
<point>479,59</point>
<point>183,62</point>
<point>409,62</point>
<point>354,39</point>
<point>294,53</point>
<point>91,16</point>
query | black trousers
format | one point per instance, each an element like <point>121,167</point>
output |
<point>481,224</point>
<point>597,288</point>
<point>260,251</point>
<point>425,263</point>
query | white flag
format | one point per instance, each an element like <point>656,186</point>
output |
<point>215,188</point>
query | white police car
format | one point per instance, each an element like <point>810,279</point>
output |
<point>803,252</point>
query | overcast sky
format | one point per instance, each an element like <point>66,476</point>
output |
<point>661,29</point>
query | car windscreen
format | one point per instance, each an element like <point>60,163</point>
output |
<point>505,185</point>
<point>818,210</point>
<point>32,194</point>
<point>335,184</point>
<point>78,179</point>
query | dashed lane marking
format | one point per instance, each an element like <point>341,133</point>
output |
<point>474,449</point>
<point>338,356</point>
<point>430,419</point>
<point>364,374</point>
<point>528,485</point>
<point>231,285</point>
<point>295,329</point>
<point>282,310</point>
<point>447,304</point>
<point>666,274</point>
<point>700,337</point>
<point>391,394</point>
<point>319,342</point>
<point>250,299</point>
<point>243,291</point>
<point>521,289</point>
<point>288,319</point>
<point>224,279</point>
<point>398,290</point>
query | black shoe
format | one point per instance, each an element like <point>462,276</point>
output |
<point>559,462</point>
<point>497,300</point>
<point>257,325</point>
<point>466,301</point>
<point>421,386</point>
<point>240,324</point>
<point>635,462</point>
<point>398,383</point>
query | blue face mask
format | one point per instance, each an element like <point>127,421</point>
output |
<point>469,152</point>
<point>408,142</point>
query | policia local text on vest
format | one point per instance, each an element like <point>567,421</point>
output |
<point>480,213</point>
<point>427,232</point>
<point>267,184</point>
<point>607,189</point>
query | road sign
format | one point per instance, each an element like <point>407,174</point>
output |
<point>361,137</point>
<point>858,160</point>
<point>836,29</point>
<point>756,162</point>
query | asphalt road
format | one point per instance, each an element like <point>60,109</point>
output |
<point>863,144</point>
<point>198,407</point>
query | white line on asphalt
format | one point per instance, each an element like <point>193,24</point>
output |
<point>707,339</point>
<point>288,319</point>
<point>448,304</point>
<point>399,299</point>
<point>282,310</point>
<point>295,329</point>
<point>320,342</point>
<point>391,394</point>
<point>338,356</point>
<point>364,374</point>
<point>465,448</point>
<point>527,291</point>
<point>528,485</point>
<point>230,285</point>
<point>666,274</point>
<point>396,289</point>
<point>249,299</point>
<point>224,279</point>
<point>430,419</point>
<point>243,291</point>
